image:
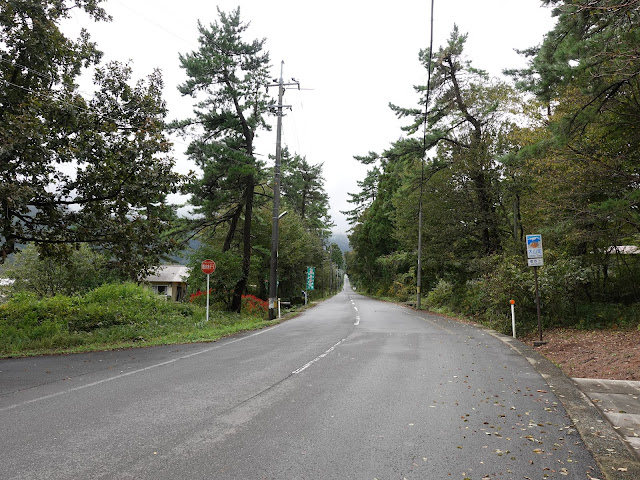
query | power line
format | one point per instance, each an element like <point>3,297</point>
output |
<point>156,24</point>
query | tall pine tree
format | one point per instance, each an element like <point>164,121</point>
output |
<point>228,76</point>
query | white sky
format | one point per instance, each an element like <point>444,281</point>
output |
<point>354,56</point>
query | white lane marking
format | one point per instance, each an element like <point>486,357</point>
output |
<point>140,370</point>
<point>318,358</point>
<point>357,316</point>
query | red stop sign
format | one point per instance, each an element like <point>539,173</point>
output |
<point>208,266</point>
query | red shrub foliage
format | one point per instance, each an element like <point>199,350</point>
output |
<point>255,306</point>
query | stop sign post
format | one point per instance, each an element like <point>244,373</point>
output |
<point>208,267</point>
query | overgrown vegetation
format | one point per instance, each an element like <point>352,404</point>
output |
<point>85,179</point>
<point>557,155</point>
<point>112,316</point>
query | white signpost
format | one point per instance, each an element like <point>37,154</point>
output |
<point>208,267</point>
<point>535,260</point>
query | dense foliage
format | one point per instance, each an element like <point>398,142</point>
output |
<point>74,169</point>
<point>496,164</point>
<point>85,179</point>
<point>74,271</point>
<point>110,316</point>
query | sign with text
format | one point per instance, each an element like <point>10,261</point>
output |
<point>535,262</point>
<point>534,246</point>
<point>208,267</point>
<point>311,274</point>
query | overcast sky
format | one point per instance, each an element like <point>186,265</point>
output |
<point>352,57</point>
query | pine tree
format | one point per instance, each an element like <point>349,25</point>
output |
<point>228,77</point>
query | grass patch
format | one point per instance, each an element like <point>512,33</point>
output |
<point>110,317</point>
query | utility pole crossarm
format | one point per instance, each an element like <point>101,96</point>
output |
<point>273,277</point>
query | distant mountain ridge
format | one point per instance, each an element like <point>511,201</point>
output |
<point>342,240</point>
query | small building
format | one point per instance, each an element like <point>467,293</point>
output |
<point>5,286</point>
<point>169,280</point>
<point>624,249</point>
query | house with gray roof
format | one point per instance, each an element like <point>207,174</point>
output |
<point>169,280</point>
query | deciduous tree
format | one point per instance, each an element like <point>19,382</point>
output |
<point>74,169</point>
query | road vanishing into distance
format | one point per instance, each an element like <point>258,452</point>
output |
<point>353,388</point>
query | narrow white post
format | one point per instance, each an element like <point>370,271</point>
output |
<point>279,315</point>
<point>207,297</point>
<point>513,317</point>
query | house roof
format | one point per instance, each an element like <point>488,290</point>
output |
<point>624,249</point>
<point>169,273</point>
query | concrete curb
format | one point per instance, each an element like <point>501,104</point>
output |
<point>614,457</point>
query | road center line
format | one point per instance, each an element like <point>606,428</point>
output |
<point>318,358</point>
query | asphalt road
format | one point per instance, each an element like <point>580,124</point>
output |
<point>352,389</point>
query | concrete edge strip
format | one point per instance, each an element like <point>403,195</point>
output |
<point>614,457</point>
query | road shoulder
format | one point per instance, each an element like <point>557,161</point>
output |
<point>614,457</point>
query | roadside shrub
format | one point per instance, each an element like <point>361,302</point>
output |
<point>441,295</point>
<point>254,306</point>
<point>26,309</point>
<point>113,315</point>
<point>498,280</point>
<point>129,294</point>
<point>598,315</point>
<point>118,304</point>
<point>92,316</point>
<point>562,283</point>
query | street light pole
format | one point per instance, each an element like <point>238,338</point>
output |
<point>422,160</point>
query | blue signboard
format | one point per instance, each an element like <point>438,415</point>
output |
<point>534,246</point>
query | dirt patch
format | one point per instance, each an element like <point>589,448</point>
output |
<point>607,354</point>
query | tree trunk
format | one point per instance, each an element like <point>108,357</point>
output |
<point>241,286</point>
<point>232,229</point>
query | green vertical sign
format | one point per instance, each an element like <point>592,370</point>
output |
<point>311,275</point>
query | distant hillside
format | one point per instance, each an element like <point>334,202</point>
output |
<point>182,257</point>
<point>342,240</point>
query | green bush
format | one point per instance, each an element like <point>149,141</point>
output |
<point>109,316</point>
<point>606,315</point>
<point>26,309</point>
<point>441,295</point>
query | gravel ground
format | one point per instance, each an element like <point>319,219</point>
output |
<point>606,354</point>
